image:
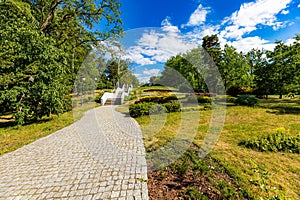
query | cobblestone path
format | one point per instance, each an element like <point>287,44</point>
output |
<point>99,157</point>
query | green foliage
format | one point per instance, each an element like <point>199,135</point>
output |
<point>186,69</point>
<point>234,68</point>
<point>246,100</point>
<point>157,109</point>
<point>181,167</point>
<point>98,96</point>
<point>146,108</point>
<point>202,99</point>
<point>199,99</point>
<point>193,194</point>
<point>172,106</point>
<point>157,99</point>
<point>140,109</point>
<point>32,80</point>
<point>227,191</point>
<point>263,182</point>
<point>42,44</point>
<point>279,141</point>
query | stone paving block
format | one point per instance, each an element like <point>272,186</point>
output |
<point>98,157</point>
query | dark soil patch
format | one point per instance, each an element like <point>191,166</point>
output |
<point>203,179</point>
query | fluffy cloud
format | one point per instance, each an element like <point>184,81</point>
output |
<point>158,45</point>
<point>144,77</point>
<point>285,12</point>
<point>290,41</point>
<point>298,6</point>
<point>246,19</point>
<point>246,44</point>
<point>198,17</point>
<point>151,72</point>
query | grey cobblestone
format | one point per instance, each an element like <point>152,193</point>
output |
<point>99,157</point>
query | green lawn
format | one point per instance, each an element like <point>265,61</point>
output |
<point>241,123</point>
<point>13,137</point>
<point>275,170</point>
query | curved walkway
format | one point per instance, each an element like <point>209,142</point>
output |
<point>102,156</point>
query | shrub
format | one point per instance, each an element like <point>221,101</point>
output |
<point>279,141</point>
<point>139,109</point>
<point>98,97</point>
<point>157,99</point>
<point>202,99</point>
<point>172,106</point>
<point>237,90</point>
<point>146,108</point>
<point>246,100</point>
<point>157,109</point>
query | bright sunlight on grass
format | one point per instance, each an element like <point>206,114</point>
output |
<point>261,173</point>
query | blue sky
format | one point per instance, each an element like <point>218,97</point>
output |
<point>158,29</point>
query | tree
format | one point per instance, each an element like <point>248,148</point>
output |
<point>43,44</point>
<point>284,70</point>
<point>32,73</point>
<point>234,68</point>
<point>263,73</point>
<point>212,45</point>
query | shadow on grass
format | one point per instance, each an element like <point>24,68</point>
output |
<point>281,110</point>
<point>13,123</point>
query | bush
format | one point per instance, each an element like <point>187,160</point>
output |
<point>172,106</point>
<point>202,99</point>
<point>157,99</point>
<point>98,97</point>
<point>146,108</point>
<point>139,109</point>
<point>237,90</point>
<point>279,141</point>
<point>157,109</point>
<point>246,100</point>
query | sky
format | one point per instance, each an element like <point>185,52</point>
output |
<point>155,30</point>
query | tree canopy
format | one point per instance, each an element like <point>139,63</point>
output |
<point>43,44</point>
<point>258,72</point>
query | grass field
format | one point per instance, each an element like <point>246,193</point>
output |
<point>257,172</point>
<point>13,137</point>
<point>262,174</point>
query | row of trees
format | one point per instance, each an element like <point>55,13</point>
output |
<point>43,43</point>
<point>260,72</point>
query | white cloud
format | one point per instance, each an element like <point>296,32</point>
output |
<point>198,33</point>
<point>279,25</point>
<point>290,41</point>
<point>158,45</point>
<point>198,17</point>
<point>145,75</point>
<point>151,72</point>
<point>246,19</point>
<point>285,12</point>
<point>298,6</point>
<point>246,44</point>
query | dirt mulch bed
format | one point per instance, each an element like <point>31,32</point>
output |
<point>167,184</point>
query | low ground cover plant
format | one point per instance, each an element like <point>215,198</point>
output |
<point>279,141</point>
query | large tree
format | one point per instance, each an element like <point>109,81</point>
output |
<point>263,73</point>
<point>32,73</point>
<point>43,44</point>
<point>234,68</point>
<point>284,68</point>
